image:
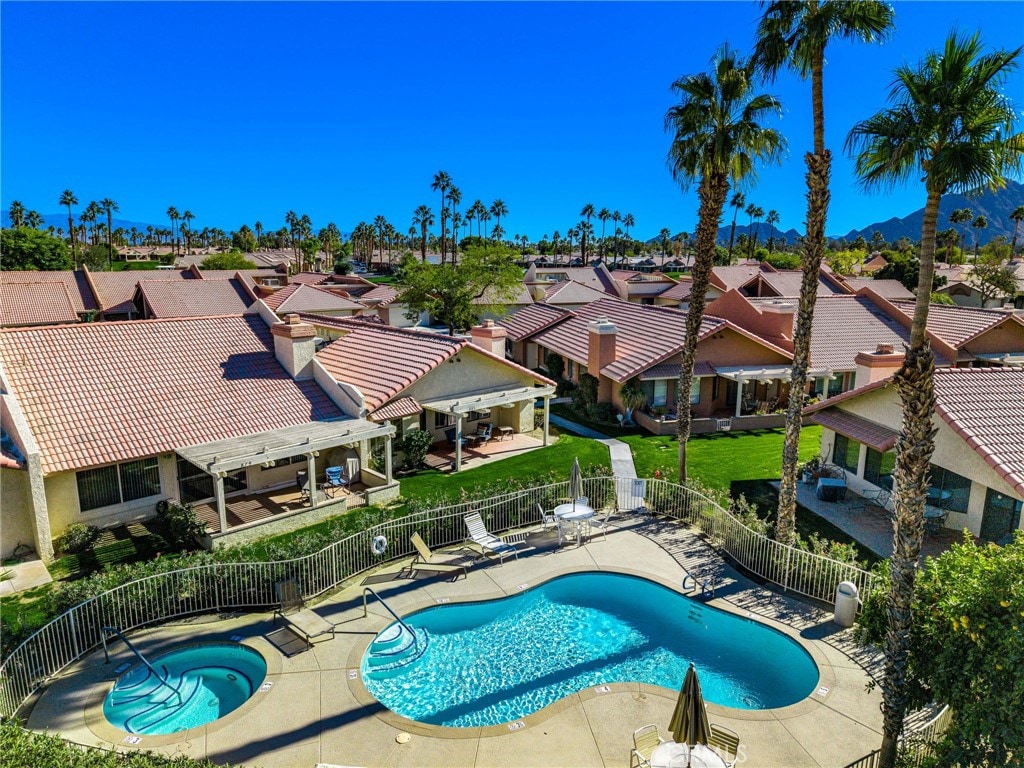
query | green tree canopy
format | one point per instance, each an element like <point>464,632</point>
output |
<point>27,248</point>
<point>98,258</point>
<point>485,279</point>
<point>226,261</point>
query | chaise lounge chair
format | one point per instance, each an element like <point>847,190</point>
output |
<point>438,561</point>
<point>488,542</point>
<point>292,608</point>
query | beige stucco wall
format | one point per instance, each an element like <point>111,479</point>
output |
<point>16,516</point>
<point>1008,337</point>
<point>951,452</point>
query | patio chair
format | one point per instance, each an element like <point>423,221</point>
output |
<point>547,519</point>
<point>601,524</point>
<point>725,742</point>
<point>489,543</point>
<point>878,498</point>
<point>483,432</point>
<point>438,561</point>
<point>645,741</point>
<point>335,480</point>
<point>302,483</point>
<point>583,500</point>
<point>292,609</point>
<point>450,437</point>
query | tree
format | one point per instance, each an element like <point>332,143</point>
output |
<point>310,247</point>
<point>632,397</point>
<point>442,181</point>
<point>485,279</point>
<point>17,214</point>
<point>758,213</point>
<point>950,124</point>
<point>243,240</point>
<point>34,219</point>
<point>173,215</point>
<point>25,248</point>
<point>966,648</point>
<point>1016,217</point>
<point>979,223</point>
<point>226,261</point>
<point>603,215</point>
<point>588,213</point>
<point>771,220</point>
<point>498,209</point>
<point>98,258</point>
<point>716,139</point>
<point>961,216</point>
<point>795,35</point>
<point>737,201</point>
<point>186,225</point>
<point>991,276</point>
<point>109,206</point>
<point>68,199</point>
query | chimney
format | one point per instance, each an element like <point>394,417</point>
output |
<point>877,365</point>
<point>490,337</point>
<point>777,319</point>
<point>601,335</point>
<point>294,346</point>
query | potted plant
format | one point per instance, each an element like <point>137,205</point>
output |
<point>810,469</point>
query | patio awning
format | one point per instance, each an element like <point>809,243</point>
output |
<point>1003,358</point>
<point>247,450</point>
<point>397,409</point>
<point>479,401</point>
<point>763,372</point>
<point>857,428</point>
<point>671,371</point>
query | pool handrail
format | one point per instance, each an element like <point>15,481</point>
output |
<point>387,607</point>
<point>137,652</point>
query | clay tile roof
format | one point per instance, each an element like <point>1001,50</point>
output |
<point>302,297</point>
<point>679,292</point>
<point>97,393</point>
<point>595,277</point>
<point>35,304</point>
<point>194,298</point>
<point>571,292</point>
<point>857,428</point>
<point>116,290</point>
<point>397,409</point>
<point>381,361</point>
<point>671,370</point>
<point>985,406</point>
<point>521,296</point>
<point>533,319</point>
<point>788,283</point>
<point>310,278</point>
<point>889,289</point>
<point>81,295</point>
<point>736,275</point>
<point>380,296</point>
<point>955,324</point>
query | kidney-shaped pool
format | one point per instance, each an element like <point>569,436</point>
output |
<point>485,663</point>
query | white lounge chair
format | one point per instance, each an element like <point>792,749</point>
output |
<point>488,542</point>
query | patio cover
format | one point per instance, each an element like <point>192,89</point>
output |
<point>247,450</point>
<point>857,428</point>
<point>397,409</point>
<point>763,373</point>
<point>478,401</point>
<point>1003,358</point>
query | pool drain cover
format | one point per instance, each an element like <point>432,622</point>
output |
<point>403,738</point>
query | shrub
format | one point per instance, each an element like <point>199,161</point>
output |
<point>602,412</point>
<point>564,387</point>
<point>555,365</point>
<point>184,529</point>
<point>585,394</point>
<point>77,537</point>
<point>415,444</point>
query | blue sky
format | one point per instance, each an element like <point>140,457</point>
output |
<point>343,111</point>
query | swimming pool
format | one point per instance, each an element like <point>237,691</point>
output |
<point>201,683</point>
<point>485,663</point>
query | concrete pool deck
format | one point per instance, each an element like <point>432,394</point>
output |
<point>318,712</point>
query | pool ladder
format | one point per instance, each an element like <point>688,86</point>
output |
<point>106,655</point>
<point>392,653</point>
<point>691,582</point>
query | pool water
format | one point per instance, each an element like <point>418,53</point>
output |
<point>485,663</point>
<point>209,681</point>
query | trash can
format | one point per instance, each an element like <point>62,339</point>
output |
<point>847,603</point>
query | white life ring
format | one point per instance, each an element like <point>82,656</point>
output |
<point>379,545</point>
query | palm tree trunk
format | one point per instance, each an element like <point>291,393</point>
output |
<point>732,232</point>
<point>915,383</point>
<point>818,171</point>
<point>71,229</point>
<point>712,193</point>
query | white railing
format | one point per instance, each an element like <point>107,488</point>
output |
<point>223,586</point>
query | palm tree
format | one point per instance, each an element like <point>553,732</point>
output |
<point>737,201</point>
<point>17,214</point>
<point>454,200</point>
<point>442,182</point>
<point>627,222</point>
<point>758,214</point>
<point>186,225</point>
<point>665,236</point>
<point>979,223</point>
<point>380,224</point>
<point>172,214</point>
<point>771,220</point>
<point>1016,217</point>
<point>950,124</point>
<point>749,210</point>
<point>716,140</point>
<point>68,198</point>
<point>89,216</point>
<point>423,217</point>
<point>34,219</point>
<point>258,229</point>
<point>795,34</point>
<point>483,216</point>
<point>961,216</point>
<point>498,209</point>
<point>587,213</point>
<point>603,215</point>
<point>109,206</point>
<point>616,218</point>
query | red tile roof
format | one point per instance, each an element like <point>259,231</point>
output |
<point>679,292</point>
<point>396,409</point>
<point>956,324</point>
<point>737,275</point>
<point>533,319</point>
<point>310,278</point>
<point>36,304</point>
<point>115,290</point>
<point>571,292</point>
<point>194,298</point>
<point>889,289</point>
<point>82,298</point>
<point>97,393</point>
<point>597,278</point>
<point>302,297</point>
<point>380,296</point>
<point>857,428</point>
<point>671,370</point>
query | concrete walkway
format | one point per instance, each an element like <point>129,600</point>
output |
<point>22,576</point>
<point>622,456</point>
<point>318,711</point>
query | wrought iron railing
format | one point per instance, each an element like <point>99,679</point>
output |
<point>223,586</point>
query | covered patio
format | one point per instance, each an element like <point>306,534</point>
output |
<point>442,457</point>
<point>768,384</point>
<point>335,439</point>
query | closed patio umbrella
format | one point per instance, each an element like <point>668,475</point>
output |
<point>689,724</point>
<point>575,481</point>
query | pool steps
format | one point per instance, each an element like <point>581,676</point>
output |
<point>396,647</point>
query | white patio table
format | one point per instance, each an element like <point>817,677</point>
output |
<point>670,754</point>
<point>575,513</point>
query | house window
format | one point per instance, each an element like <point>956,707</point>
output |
<point>571,375</point>
<point>660,393</point>
<point>299,459</point>
<point>846,453</point>
<point>1001,516</point>
<point>478,415</point>
<point>878,468</point>
<point>695,392</point>
<point>956,486</point>
<point>118,483</point>
<point>442,420</point>
<point>196,485</point>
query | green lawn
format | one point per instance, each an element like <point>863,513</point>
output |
<point>720,458</point>
<point>612,430</point>
<point>382,279</point>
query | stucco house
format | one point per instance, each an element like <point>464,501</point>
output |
<point>978,466</point>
